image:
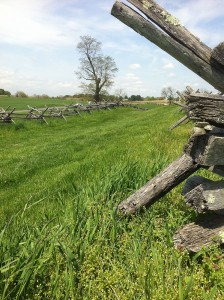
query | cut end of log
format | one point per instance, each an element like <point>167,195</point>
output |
<point>126,208</point>
<point>115,8</point>
<point>204,195</point>
<point>200,234</point>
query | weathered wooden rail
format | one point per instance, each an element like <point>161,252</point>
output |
<point>205,148</point>
<point>6,115</point>
<point>9,116</point>
<point>174,38</point>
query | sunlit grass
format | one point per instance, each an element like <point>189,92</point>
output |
<point>61,236</point>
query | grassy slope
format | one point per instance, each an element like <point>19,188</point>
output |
<point>61,237</point>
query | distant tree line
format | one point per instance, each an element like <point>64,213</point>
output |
<point>21,94</point>
<point>135,98</point>
<point>167,93</point>
<point>4,93</point>
<point>43,96</point>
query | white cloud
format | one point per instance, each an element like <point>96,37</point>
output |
<point>105,6</point>
<point>171,75</point>
<point>30,84</point>
<point>168,65</point>
<point>65,84</point>
<point>135,66</point>
<point>38,39</point>
<point>199,16</point>
<point>195,12</point>
<point>6,77</point>
<point>31,23</point>
<point>49,23</point>
<point>132,77</point>
<point>131,84</point>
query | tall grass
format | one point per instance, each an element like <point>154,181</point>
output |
<point>61,236</point>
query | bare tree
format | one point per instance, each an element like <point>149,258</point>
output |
<point>96,68</point>
<point>120,94</point>
<point>169,93</point>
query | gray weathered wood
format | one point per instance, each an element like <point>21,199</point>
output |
<point>200,234</point>
<point>217,56</point>
<point>173,27</point>
<point>214,153</point>
<point>6,117</point>
<point>206,107</point>
<point>206,149</point>
<point>200,151</point>
<point>204,195</point>
<point>203,149</point>
<point>219,170</point>
<point>193,182</point>
<point>195,147</point>
<point>202,124</point>
<point>192,61</point>
<point>158,186</point>
<point>196,131</point>
<point>178,122</point>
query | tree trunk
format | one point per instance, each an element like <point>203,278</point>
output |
<point>97,98</point>
<point>97,90</point>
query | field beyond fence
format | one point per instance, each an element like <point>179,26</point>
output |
<point>61,237</point>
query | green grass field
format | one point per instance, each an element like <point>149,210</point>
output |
<point>60,234</point>
<point>23,103</point>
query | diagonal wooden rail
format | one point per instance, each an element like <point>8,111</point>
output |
<point>160,27</point>
<point>175,39</point>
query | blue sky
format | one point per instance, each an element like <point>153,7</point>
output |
<point>38,45</point>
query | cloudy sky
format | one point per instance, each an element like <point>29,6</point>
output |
<point>38,41</point>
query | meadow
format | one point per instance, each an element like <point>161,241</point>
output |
<point>23,103</point>
<point>60,234</point>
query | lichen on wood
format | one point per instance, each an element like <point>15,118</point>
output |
<point>205,146</point>
<point>175,40</point>
<point>146,4</point>
<point>170,19</point>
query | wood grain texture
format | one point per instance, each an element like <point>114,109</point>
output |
<point>207,149</point>
<point>204,195</point>
<point>173,47</point>
<point>173,27</point>
<point>202,150</point>
<point>158,186</point>
<point>217,56</point>
<point>200,234</point>
<point>206,107</point>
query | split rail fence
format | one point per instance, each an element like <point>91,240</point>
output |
<point>205,148</point>
<point>11,115</point>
